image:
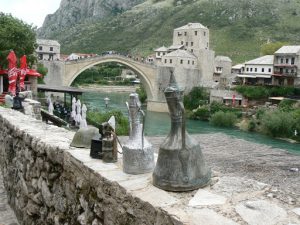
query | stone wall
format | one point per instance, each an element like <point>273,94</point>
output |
<point>49,183</point>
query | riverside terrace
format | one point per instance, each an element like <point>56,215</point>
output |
<point>48,182</point>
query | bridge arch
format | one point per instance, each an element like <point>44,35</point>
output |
<point>145,72</point>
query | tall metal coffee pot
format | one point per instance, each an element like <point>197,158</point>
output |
<point>180,165</point>
<point>138,154</point>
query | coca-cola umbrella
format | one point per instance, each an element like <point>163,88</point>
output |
<point>22,72</point>
<point>12,72</point>
<point>29,72</point>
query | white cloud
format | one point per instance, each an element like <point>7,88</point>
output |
<point>30,11</point>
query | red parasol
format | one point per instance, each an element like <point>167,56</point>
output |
<point>12,72</point>
<point>23,71</point>
<point>29,72</point>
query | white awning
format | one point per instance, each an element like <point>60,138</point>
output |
<point>246,75</point>
<point>263,76</point>
<point>254,76</point>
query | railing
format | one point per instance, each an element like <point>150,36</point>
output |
<point>285,65</point>
<point>285,74</point>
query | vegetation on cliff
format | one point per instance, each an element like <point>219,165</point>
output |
<point>238,28</point>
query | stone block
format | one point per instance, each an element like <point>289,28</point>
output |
<point>260,212</point>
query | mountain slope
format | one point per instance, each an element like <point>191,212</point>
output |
<point>238,27</point>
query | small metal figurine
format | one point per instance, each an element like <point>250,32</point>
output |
<point>138,154</point>
<point>109,141</point>
<point>180,165</point>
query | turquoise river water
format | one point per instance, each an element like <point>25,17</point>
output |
<point>159,123</point>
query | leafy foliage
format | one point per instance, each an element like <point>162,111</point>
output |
<point>271,48</point>
<point>201,113</point>
<point>96,118</point>
<point>197,96</point>
<point>223,119</point>
<point>18,36</point>
<point>42,70</point>
<point>142,93</point>
<point>278,124</point>
<point>261,92</point>
<point>98,74</point>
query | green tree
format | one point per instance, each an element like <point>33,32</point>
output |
<point>271,48</point>
<point>42,70</point>
<point>18,36</point>
<point>197,96</point>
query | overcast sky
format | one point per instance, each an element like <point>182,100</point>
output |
<point>30,11</point>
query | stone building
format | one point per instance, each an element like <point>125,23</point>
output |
<point>189,54</point>
<point>287,66</point>
<point>180,58</point>
<point>48,49</point>
<point>222,73</point>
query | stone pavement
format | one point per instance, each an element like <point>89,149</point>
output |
<point>7,216</point>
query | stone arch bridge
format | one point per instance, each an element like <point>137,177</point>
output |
<point>64,73</point>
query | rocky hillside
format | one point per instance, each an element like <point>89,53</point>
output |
<point>74,12</point>
<point>238,27</point>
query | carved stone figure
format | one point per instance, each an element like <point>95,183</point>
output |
<point>180,165</point>
<point>138,154</point>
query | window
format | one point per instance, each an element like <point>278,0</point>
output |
<point>247,69</point>
<point>192,50</point>
<point>40,56</point>
<point>204,33</point>
<point>251,69</point>
<point>158,53</point>
<point>181,61</point>
<point>255,69</point>
<point>188,61</point>
<point>184,33</point>
<point>51,49</point>
<point>179,34</point>
<point>164,53</point>
<point>192,43</point>
<point>181,42</point>
<point>293,61</point>
<point>281,60</point>
<point>40,48</point>
<point>287,70</point>
<point>165,60</point>
<point>262,69</point>
<point>270,70</point>
<point>193,62</point>
<point>292,71</point>
<point>286,61</point>
<point>170,60</point>
<point>196,33</point>
<point>186,44</point>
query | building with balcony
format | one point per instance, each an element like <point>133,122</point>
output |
<point>48,49</point>
<point>287,66</point>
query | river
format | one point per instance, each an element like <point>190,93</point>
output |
<point>159,123</point>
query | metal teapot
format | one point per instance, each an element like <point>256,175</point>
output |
<point>180,165</point>
<point>138,154</point>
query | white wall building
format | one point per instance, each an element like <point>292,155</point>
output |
<point>48,49</point>
<point>258,71</point>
